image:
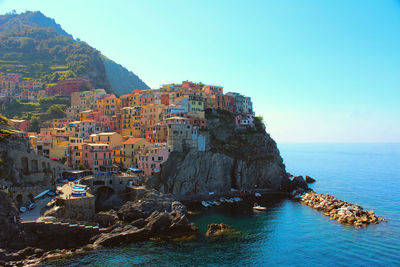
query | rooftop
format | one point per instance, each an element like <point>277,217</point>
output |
<point>133,140</point>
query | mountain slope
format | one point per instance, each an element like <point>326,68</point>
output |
<point>122,80</point>
<point>37,47</point>
<point>14,22</point>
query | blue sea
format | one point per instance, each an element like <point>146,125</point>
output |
<point>289,233</point>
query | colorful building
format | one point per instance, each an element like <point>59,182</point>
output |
<point>151,158</point>
<point>112,139</point>
<point>23,125</point>
<point>97,157</point>
<point>129,149</point>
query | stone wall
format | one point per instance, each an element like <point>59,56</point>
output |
<point>82,208</point>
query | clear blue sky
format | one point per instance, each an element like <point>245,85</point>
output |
<point>317,71</point>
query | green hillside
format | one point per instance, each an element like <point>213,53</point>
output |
<point>37,47</point>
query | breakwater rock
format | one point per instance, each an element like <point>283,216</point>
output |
<point>340,210</point>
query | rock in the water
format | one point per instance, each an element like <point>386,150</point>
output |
<point>309,180</point>
<point>178,207</point>
<point>299,182</point>
<point>219,230</point>
<point>339,210</point>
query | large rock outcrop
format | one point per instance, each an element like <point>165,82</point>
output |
<point>242,159</point>
<point>8,211</point>
<point>154,216</point>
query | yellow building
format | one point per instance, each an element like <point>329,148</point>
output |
<point>74,151</point>
<point>129,149</point>
<point>127,119</point>
<point>109,105</point>
<point>117,156</point>
<point>196,106</point>
<point>112,139</point>
<point>58,149</point>
<point>151,114</point>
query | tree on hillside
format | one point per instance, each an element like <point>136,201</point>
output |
<point>56,109</point>
<point>35,127</point>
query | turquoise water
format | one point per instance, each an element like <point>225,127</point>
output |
<point>290,233</point>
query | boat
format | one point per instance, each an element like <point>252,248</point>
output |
<point>217,203</point>
<point>229,200</point>
<point>22,209</point>
<point>210,203</point>
<point>205,204</point>
<point>237,199</point>
<point>78,190</point>
<point>258,207</point>
<point>257,194</point>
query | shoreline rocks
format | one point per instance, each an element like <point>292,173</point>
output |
<point>155,215</point>
<point>342,211</point>
<point>309,180</point>
<point>219,231</point>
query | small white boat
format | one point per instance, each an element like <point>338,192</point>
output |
<point>257,194</point>
<point>230,200</point>
<point>217,203</point>
<point>258,207</point>
<point>205,204</point>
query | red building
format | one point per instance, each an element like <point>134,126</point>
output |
<point>187,84</point>
<point>165,99</point>
<point>23,125</point>
<point>226,102</point>
<point>213,90</point>
<point>68,86</point>
<point>201,123</point>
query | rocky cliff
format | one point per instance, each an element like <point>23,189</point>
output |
<point>242,159</point>
<point>8,210</point>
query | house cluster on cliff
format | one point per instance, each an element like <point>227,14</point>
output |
<point>12,85</point>
<point>15,86</point>
<point>103,132</point>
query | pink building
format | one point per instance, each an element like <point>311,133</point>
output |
<point>97,157</point>
<point>23,125</point>
<point>15,77</point>
<point>244,120</point>
<point>150,159</point>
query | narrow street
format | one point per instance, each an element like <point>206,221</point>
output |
<point>33,215</point>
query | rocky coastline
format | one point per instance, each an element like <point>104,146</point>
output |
<point>153,216</point>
